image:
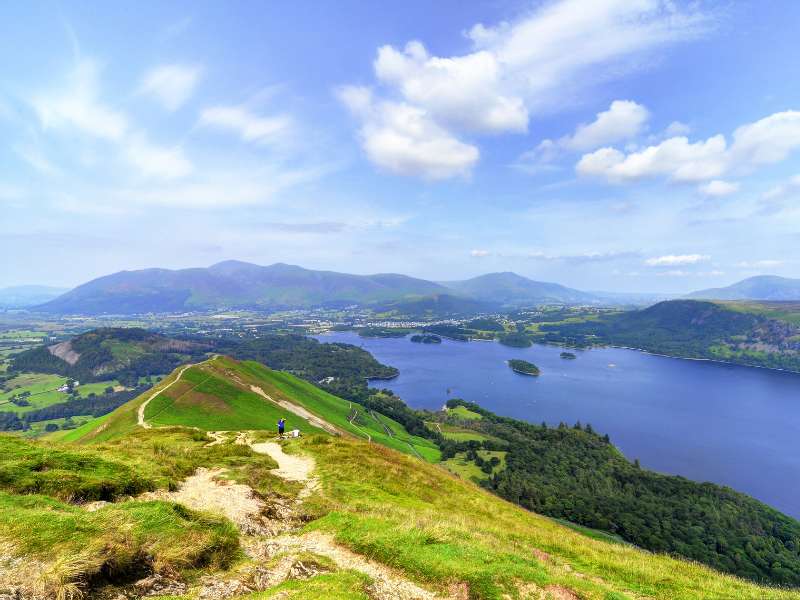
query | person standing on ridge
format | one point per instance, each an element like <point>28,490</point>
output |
<point>281,426</point>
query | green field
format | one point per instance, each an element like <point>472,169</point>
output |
<point>462,412</point>
<point>43,389</point>
<point>467,469</point>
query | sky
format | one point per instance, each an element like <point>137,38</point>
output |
<point>621,145</point>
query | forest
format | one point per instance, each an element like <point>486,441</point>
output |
<point>576,474</point>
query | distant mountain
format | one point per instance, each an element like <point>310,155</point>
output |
<point>761,287</point>
<point>233,285</point>
<point>22,296</point>
<point>510,289</point>
<point>438,306</point>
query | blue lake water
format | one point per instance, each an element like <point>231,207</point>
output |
<point>736,426</point>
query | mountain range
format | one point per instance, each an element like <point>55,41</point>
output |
<point>240,285</point>
<point>762,287</point>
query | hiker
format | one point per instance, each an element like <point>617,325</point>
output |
<point>281,426</point>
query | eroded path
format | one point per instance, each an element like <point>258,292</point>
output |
<point>300,412</point>
<point>140,413</point>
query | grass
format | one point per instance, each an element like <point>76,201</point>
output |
<point>42,388</point>
<point>37,428</point>
<point>344,585</point>
<point>205,400</point>
<point>467,469</point>
<point>337,411</point>
<point>64,546</point>
<point>462,412</point>
<point>440,529</point>
<point>216,395</point>
<point>461,434</point>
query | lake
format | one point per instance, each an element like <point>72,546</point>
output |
<point>736,426</point>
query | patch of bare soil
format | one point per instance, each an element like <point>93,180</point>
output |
<point>387,584</point>
<point>300,412</point>
<point>206,491</point>
<point>65,352</point>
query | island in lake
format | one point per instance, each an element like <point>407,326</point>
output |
<point>568,355</point>
<point>523,367</point>
<point>426,338</point>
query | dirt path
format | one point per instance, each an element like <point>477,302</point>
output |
<point>205,490</point>
<point>290,466</point>
<point>300,412</point>
<point>387,584</point>
<point>140,413</point>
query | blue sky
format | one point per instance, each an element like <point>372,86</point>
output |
<point>630,145</point>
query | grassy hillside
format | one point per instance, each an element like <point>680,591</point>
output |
<point>218,395</point>
<point>431,528</point>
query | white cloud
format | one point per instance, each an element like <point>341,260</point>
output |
<point>676,128</point>
<point>623,120</point>
<point>769,140</point>
<point>479,253</point>
<point>766,141</point>
<point>157,161</point>
<point>464,91</point>
<point>597,34</point>
<point>248,126</point>
<point>718,188</point>
<point>404,140</point>
<point>674,260</point>
<point>77,106</point>
<point>171,85</point>
<point>522,68</point>
<point>675,158</point>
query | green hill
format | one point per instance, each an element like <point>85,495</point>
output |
<point>223,394</point>
<point>373,523</point>
<point>109,353</point>
<point>741,334</point>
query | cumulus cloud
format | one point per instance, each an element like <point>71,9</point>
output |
<point>465,91</point>
<point>519,68</point>
<point>171,85</point>
<point>479,253</point>
<point>247,125</point>
<point>675,158</point>
<point>674,260</point>
<point>769,140</point>
<point>623,120</point>
<point>717,188</point>
<point>404,140</point>
<point>676,128</point>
